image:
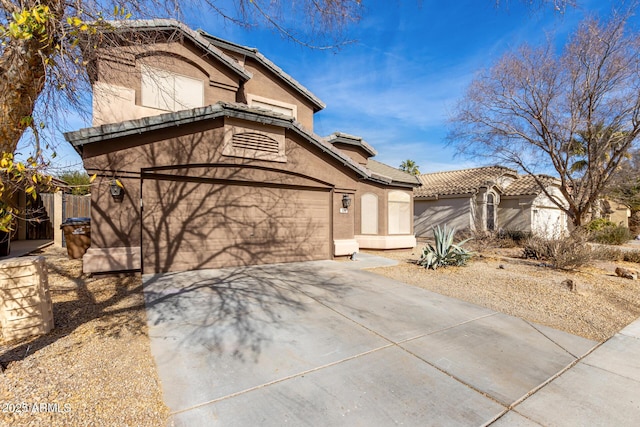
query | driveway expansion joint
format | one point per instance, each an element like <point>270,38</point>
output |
<point>611,372</point>
<point>279,380</point>
<point>555,342</point>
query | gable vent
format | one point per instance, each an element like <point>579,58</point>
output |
<point>254,141</point>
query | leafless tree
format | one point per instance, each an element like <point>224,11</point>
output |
<point>576,112</point>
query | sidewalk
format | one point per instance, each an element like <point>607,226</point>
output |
<point>601,389</point>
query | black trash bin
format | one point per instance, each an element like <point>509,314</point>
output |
<point>77,234</point>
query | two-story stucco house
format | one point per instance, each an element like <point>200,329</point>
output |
<point>219,164</point>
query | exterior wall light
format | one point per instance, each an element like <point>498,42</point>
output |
<point>346,201</point>
<point>116,189</point>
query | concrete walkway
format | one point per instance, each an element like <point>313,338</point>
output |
<point>325,343</point>
<point>25,247</point>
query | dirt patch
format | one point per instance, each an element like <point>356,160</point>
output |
<point>497,279</point>
<point>95,367</point>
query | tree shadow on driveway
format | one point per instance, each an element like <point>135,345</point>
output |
<point>234,311</point>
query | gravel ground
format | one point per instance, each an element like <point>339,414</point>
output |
<point>498,279</point>
<point>96,365</point>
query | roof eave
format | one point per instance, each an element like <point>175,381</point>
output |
<point>255,54</point>
<point>96,134</point>
<point>194,36</point>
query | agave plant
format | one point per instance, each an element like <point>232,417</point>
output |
<point>444,252</point>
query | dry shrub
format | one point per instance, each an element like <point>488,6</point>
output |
<point>607,253</point>
<point>563,253</point>
<point>632,256</point>
<point>494,239</point>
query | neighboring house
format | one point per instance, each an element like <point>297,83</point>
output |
<point>616,212</point>
<point>486,199</point>
<point>525,207</point>
<point>214,147</point>
<point>613,211</point>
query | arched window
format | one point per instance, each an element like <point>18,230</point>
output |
<point>369,214</point>
<point>399,213</point>
<point>491,212</point>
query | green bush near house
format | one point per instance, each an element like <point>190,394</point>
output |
<point>611,235</point>
<point>444,252</point>
<point>599,224</point>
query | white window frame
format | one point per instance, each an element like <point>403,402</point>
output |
<point>272,105</point>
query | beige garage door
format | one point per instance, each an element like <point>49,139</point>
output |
<point>195,225</point>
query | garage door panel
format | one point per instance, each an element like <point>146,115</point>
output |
<point>200,225</point>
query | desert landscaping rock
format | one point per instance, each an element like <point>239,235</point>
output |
<point>626,273</point>
<point>569,284</point>
<point>95,368</point>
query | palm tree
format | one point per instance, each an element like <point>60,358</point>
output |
<point>410,167</point>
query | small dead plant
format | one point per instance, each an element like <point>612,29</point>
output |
<point>563,253</point>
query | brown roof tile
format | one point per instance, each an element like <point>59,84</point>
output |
<point>460,181</point>
<point>527,185</point>
<point>396,175</point>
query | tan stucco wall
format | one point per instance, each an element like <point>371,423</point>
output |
<point>515,214</point>
<point>118,223</point>
<point>267,85</point>
<point>117,91</point>
<point>620,214</point>
<point>382,192</point>
<point>455,212</point>
<point>356,153</point>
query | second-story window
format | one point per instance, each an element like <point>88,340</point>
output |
<point>168,91</point>
<point>283,108</point>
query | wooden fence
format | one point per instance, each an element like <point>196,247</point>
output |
<point>72,206</point>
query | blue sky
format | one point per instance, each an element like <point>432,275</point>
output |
<point>411,62</point>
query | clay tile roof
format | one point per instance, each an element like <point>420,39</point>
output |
<point>527,185</point>
<point>396,175</point>
<point>460,181</point>
<point>345,138</point>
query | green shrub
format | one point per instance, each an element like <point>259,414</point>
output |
<point>564,253</point>
<point>444,252</point>
<point>611,235</point>
<point>599,224</point>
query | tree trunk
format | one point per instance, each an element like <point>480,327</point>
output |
<point>22,79</point>
<point>596,209</point>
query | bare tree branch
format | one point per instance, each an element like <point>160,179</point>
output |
<point>575,112</point>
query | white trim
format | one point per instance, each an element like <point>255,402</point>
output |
<point>345,247</point>
<point>256,101</point>
<point>386,242</point>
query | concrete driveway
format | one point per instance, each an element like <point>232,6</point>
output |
<point>325,343</point>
